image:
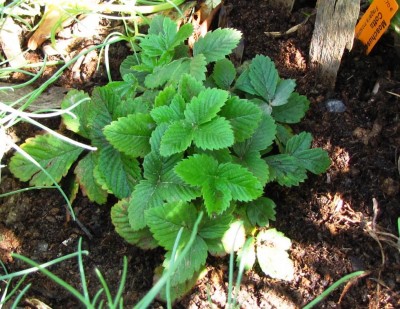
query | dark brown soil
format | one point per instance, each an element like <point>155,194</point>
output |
<point>338,222</point>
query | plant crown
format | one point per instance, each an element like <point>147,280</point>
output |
<point>174,140</point>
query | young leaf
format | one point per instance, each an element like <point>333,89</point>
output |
<point>121,172</point>
<point>216,134</point>
<point>293,111</point>
<point>261,211</point>
<point>77,124</point>
<point>283,91</point>
<point>272,255</point>
<point>177,138</point>
<point>217,44</point>
<point>84,172</point>
<point>190,87</point>
<point>119,217</point>
<point>171,113</point>
<point>243,115</point>
<point>131,134</point>
<point>165,96</point>
<point>193,261</point>
<point>205,106</point>
<point>224,73</point>
<point>264,76</point>
<point>53,154</point>
<point>165,222</point>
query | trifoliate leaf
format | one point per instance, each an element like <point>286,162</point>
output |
<point>242,184</point>
<point>261,211</point>
<point>78,123</point>
<point>284,90</point>
<point>286,170</point>
<point>205,106</point>
<point>131,134</point>
<point>262,138</point>
<point>121,172</point>
<point>53,154</point>
<point>196,170</point>
<point>85,174</point>
<point>119,217</point>
<point>216,134</point>
<point>171,113</point>
<point>235,237</point>
<point>224,73</point>
<point>243,115</point>
<point>177,138</point>
<point>293,111</point>
<point>166,221</point>
<point>217,44</point>
<point>165,96</point>
<point>189,87</point>
<point>272,255</point>
<point>193,261</point>
<point>171,73</point>
<point>264,76</point>
<point>243,83</point>
<point>314,160</point>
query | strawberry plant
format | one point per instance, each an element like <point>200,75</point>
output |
<point>186,132</point>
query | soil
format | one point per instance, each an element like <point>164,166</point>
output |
<point>339,222</point>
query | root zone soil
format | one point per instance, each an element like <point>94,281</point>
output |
<point>338,222</point>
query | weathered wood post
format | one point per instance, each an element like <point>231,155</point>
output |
<point>334,31</point>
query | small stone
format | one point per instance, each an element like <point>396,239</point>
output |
<point>335,106</point>
<point>42,246</point>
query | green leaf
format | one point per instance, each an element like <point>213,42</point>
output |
<point>314,160</point>
<point>272,255</point>
<point>205,106</point>
<point>284,90</point>
<point>177,138</point>
<point>171,113</point>
<point>121,173</point>
<point>261,211</point>
<point>85,174</point>
<point>79,123</point>
<point>125,88</point>
<point>242,184</point>
<point>215,227</point>
<point>196,170</point>
<point>216,134</point>
<point>171,73</point>
<point>263,76</point>
<point>146,195</point>
<point>217,197</point>
<point>262,138</point>
<point>224,73</point>
<point>243,115</point>
<point>217,44</point>
<point>165,96</point>
<point>253,162</point>
<point>285,169</point>
<point>189,87</point>
<point>119,217</point>
<point>53,154</point>
<point>193,261</point>
<point>293,111</point>
<point>166,221</point>
<point>131,135</point>
<point>244,84</point>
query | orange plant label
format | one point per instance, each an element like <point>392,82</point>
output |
<point>375,21</point>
